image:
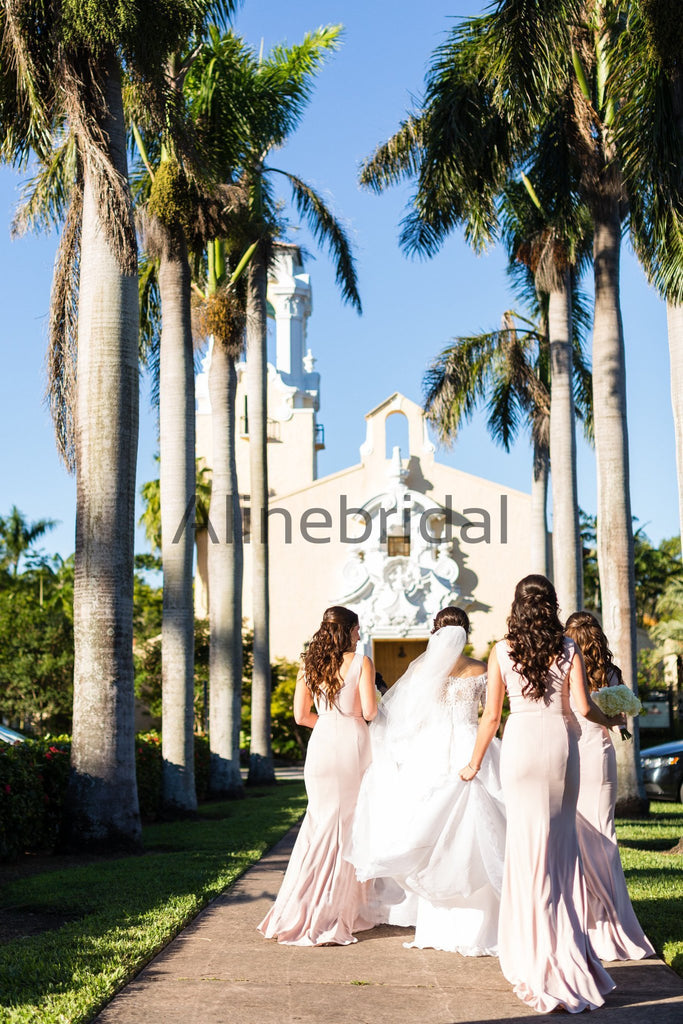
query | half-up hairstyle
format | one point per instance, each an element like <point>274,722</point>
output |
<point>451,616</point>
<point>587,632</point>
<point>324,656</point>
<point>535,634</point>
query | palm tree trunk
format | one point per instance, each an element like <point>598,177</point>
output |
<point>675,327</point>
<point>225,584</point>
<point>177,485</point>
<point>567,564</point>
<point>102,798</point>
<point>614,528</point>
<point>539,522</point>
<point>260,759</point>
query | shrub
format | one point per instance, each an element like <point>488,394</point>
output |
<point>33,778</point>
<point>33,781</point>
<point>148,769</point>
<point>202,762</point>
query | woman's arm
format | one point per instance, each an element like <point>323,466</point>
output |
<point>366,690</point>
<point>581,698</point>
<point>490,719</point>
<point>303,698</point>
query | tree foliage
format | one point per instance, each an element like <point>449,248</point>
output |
<point>36,647</point>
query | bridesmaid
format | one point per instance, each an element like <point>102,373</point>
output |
<point>612,924</point>
<point>320,901</point>
<point>543,944</point>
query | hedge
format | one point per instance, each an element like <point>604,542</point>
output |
<point>33,781</point>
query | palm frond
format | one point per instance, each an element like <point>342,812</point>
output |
<point>504,413</point>
<point>459,379</point>
<point>46,196</point>
<point>468,146</point>
<point>28,53</point>
<point>327,230</point>
<point>398,158</point>
<point>287,76</point>
<point>528,47</point>
<point>150,306</point>
<point>60,394</point>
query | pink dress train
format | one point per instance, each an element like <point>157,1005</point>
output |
<point>543,944</point>
<point>320,900</point>
<point>613,927</point>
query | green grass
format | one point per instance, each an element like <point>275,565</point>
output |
<point>655,877</point>
<point>120,912</point>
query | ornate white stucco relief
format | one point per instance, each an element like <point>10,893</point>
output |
<point>398,595</point>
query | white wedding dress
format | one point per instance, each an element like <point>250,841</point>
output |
<point>433,843</point>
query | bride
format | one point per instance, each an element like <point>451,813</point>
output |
<point>433,845</point>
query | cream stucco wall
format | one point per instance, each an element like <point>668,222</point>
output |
<point>307,571</point>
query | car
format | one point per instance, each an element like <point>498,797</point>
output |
<point>663,771</point>
<point>10,736</point>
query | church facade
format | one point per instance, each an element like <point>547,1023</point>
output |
<point>396,536</point>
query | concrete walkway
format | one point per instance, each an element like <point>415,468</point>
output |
<point>219,970</point>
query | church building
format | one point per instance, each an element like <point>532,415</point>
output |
<point>396,536</point>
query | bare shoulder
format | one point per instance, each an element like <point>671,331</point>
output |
<point>470,667</point>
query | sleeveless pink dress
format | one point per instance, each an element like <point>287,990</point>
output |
<point>320,900</point>
<point>543,944</point>
<point>613,927</point>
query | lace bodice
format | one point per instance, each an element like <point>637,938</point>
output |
<point>463,695</point>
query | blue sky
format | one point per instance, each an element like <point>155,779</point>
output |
<point>411,308</point>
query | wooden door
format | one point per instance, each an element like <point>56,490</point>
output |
<point>392,657</point>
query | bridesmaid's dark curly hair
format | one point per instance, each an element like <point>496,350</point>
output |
<point>535,634</point>
<point>451,616</point>
<point>324,656</point>
<point>587,633</point>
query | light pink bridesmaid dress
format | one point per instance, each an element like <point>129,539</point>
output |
<point>320,900</point>
<point>543,944</point>
<point>613,927</point>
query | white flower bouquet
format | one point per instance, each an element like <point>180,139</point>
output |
<point>615,700</point>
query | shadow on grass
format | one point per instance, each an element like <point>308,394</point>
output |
<point>657,844</point>
<point>129,908</point>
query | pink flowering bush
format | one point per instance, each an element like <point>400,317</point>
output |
<point>33,778</point>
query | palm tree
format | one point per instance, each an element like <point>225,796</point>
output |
<point>459,147</point>
<point>18,536</point>
<point>507,369</point>
<point>165,227</point>
<point>174,223</point>
<point>492,88</point>
<point>268,96</point>
<point>222,319</point>
<point>650,124</point>
<point>185,210</point>
<point>551,238</point>
<point>569,56</point>
<point>62,70</point>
